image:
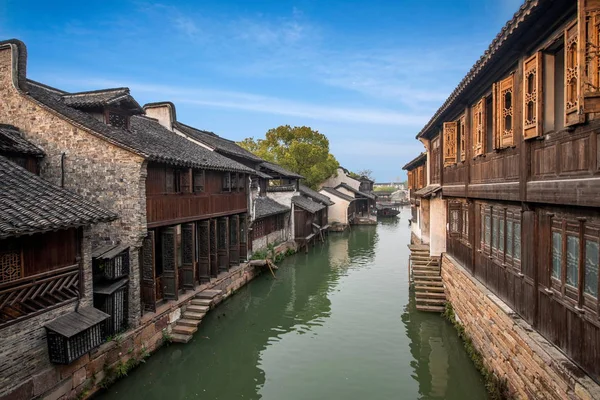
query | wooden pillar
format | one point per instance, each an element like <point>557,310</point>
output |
<point>188,256</point>
<point>243,237</point>
<point>222,246</point>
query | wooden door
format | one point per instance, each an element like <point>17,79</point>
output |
<point>234,246</point>
<point>214,265</point>
<point>243,237</point>
<point>203,254</point>
<point>188,247</point>
<point>169,260</point>
<point>147,273</point>
<point>222,247</point>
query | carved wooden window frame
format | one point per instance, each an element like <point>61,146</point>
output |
<point>198,180</point>
<point>11,249</point>
<point>450,142</point>
<point>454,219</point>
<point>532,96</point>
<point>464,230</point>
<point>226,182</point>
<point>126,118</point>
<point>589,48</point>
<point>462,133</point>
<point>572,78</point>
<point>478,127</point>
<point>504,99</point>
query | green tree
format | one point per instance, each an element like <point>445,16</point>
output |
<point>300,149</point>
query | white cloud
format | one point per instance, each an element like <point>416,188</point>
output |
<point>260,104</point>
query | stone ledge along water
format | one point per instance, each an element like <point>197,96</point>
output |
<point>337,323</point>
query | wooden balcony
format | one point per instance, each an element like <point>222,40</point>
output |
<point>166,209</point>
<point>33,295</point>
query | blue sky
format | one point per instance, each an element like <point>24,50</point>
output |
<point>368,74</point>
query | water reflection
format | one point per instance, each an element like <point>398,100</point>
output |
<point>331,325</point>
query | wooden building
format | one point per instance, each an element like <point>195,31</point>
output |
<point>514,150</point>
<point>271,225</point>
<point>417,179</point>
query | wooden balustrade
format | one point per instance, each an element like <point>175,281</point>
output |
<point>180,208</point>
<point>31,295</point>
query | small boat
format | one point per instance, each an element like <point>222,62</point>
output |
<point>386,211</point>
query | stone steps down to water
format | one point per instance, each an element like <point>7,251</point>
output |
<point>427,280</point>
<point>187,325</point>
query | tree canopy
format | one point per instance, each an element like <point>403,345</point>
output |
<point>300,149</point>
<point>366,173</point>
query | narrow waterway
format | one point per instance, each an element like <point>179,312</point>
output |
<point>337,323</point>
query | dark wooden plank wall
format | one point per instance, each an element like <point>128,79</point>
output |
<point>554,309</point>
<point>171,208</point>
<point>46,251</point>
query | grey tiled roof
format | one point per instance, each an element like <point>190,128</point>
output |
<point>305,190</point>
<point>415,162</point>
<point>337,193</point>
<point>11,141</point>
<point>162,145</point>
<point>350,188</point>
<point>265,207</point>
<point>262,175</point>
<point>279,170</point>
<point>215,141</point>
<point>307,204</point>
<point>102,98</point>
<point>281,188</point>
<point>428,190</point>
<point>146,136</point>
<point>512,27</point>
<point>29,204</point>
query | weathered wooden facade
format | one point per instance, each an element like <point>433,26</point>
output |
<point>514,150</point>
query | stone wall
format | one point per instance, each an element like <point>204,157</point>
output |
<point>94,168</point>
<point>23,346</point>
<point>532,366</point>
<point>89,373</point>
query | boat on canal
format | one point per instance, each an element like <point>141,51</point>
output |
<point>386,211</point>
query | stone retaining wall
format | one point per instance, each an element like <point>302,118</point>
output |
<point>532,366</point>
<point>95,369</point>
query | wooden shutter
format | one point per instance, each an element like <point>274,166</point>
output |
<point>185,180</point>
<point>188,256</point>
<point>504,93</point>
<point>214,265</point>
<point>170,180</point>
<point>222,247</point>
<point>203,251</point>
<point>243,236</point>
<point>198,181</point>
<point>532,96</point>
<point>589,58</point>
<point>463,137</point>
<point>169,261</point>
<point>234,246</point>
<point>573,98</point>
<point>478,128</point>
<point>454,216</point>
<point>148,273</point>
<point>450,143</point>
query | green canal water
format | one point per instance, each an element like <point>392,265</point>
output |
<point>337,323</point>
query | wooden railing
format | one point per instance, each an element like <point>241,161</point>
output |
<point>179,208</point>
<point>30,296</point>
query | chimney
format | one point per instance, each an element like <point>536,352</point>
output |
<point>164,112</point>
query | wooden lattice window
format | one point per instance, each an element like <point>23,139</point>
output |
<point>450,129</point>
<point>199,177</point>
<point>590,18</point>
<point>118,120</point>
<point>241,182</point>
<point>226,181</point>
<point>462,133</point>
<point>532,96</point>
<point>454,218</point>
<point>479,128</point>
<point>11,263</point>
<point>505,105</point>
<point>572,89</point>
<point>465,222</point>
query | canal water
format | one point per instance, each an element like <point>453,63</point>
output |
<point>337,323</point>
